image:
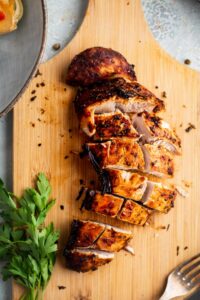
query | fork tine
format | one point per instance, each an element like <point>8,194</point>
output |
<point>190,268</point>
<point>186,262</point>
<point>196,283</point>
<point>193,275</point>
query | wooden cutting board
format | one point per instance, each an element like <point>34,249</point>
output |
<point>46,133</point>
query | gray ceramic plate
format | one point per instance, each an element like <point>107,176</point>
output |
<point>176,25</point>
<point>20,52</point>
<point>64,18</point>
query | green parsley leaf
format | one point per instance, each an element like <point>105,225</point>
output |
<point>28,247</point>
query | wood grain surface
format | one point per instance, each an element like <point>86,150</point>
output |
<point>46,138</point>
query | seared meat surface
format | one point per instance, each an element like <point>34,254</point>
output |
<point>84,260</point>
<point>84,254</point>
<point>113,239</point>
<point>98,64</point>
<point>120,153</point>
<point>111,125</point>
<point>159,197</point>
<point>81,230</point>
<point>142,188</point>
<point>84,233</point>
<point>107,204</point>
<point>124,209</point>
<point>112,95</point>
<point>131,148</point>
<point>134,213</point>
<point>153,128</point>
<point>158,160</point>
<point>126,154</point>
<point>126,184</point>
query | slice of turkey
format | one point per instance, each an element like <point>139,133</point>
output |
<point>127,154</point>
<point>84,260</point>
<point>110,96</point>
<point>154,129</point>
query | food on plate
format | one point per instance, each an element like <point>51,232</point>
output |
<point>27,246</point>
<point>108,96</point>
<point>11,11</point>
<point>117,207</point>
<point>91,244</point>
<point>98,64</point>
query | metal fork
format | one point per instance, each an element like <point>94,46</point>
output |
<point>184,279</point>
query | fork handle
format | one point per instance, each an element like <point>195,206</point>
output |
<point>165,296</point>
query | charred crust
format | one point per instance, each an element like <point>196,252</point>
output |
<point>98,64</point>
<point>75,227</point>
<point>88,200</point>
<point>106,186</point>
<point>94,159</point>
<point>117,87</point>
<point>81,262</point>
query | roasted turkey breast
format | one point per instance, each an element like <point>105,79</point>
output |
<point>114,124</point>
<point>127,154</point>
<point>125,210</point>
<point>153,128</point>
<point>142,188</point>
<point>89,234</point>
<point>134,213</point>
<point>91,244</point>
<point>120,153</point>
<point>159,196</point>
<point>84,260</point>
<point>124,183</point>
<point>112,95</point>
<point>98,64</point>
<point>158,160</point>
<point>130,146</point>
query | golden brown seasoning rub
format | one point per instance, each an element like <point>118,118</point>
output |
<point>83,256</point>
<point>125,210</point>
<point>112,125</point>
<point>113,239</point>
<point>126,154</point>
<point>84,260</point>
<point>112,95</point>
<point>160,197</point>
<point>155,128</point>
<point>84,234</point>
<point>134,213</point>
<point>126,184</point>
<point>98,64</point>
<point>159,161</point>
<point>106,204</point>
<point>121,153</point>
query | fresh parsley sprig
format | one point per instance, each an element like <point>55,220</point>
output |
<point>26,245</point>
